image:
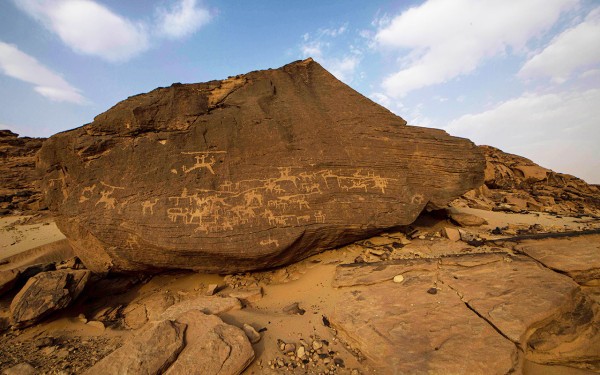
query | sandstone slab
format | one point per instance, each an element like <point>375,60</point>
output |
<point>45,293</point>
<point>207,305</point>
<point>212,347</point>
<point>512,293</point>
<point>578,257</point>
<point>152,351</point>
<point>473,313</point>
<point>467,220</point>
<point>405,330</point>
<point>256,171</point>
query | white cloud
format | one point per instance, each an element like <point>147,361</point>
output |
<point>573,49</point>
<point>89,28</point>
<point>19,65</point>
<point>559,131</point>
<point>182,19</point>
<point>321,45</point>
<point>445,39</point>
<point>382,99</point>
<point>343,68</point>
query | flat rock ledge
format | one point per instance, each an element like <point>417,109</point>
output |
<point>466,314</point>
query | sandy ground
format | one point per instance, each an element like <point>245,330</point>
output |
<point>21,233</point>
<point>307,283</point>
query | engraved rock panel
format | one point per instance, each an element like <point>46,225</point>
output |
<point>252,172</point>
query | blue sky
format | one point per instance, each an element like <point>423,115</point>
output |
<point>521,75</point>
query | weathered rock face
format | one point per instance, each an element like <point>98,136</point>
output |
<point>517,183</point>
<point>45,293</point>
<point>18,181</point>
<point>254,171</point>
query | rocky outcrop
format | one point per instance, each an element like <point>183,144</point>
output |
<point>514,183</point>
<point>193,343</point>
<point>45,293</point>
<point>255,171</point>
<point>19,188</point>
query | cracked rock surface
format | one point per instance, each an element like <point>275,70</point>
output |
<point>473,313</point>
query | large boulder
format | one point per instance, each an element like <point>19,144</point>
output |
<point>46,293</point>
<point>255,171</point>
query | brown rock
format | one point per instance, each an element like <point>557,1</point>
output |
<point>255,171</point>
<point>577,257</point>
<point>466,220</point>
<point>45,293</point>
<point>483,303</point>
<point>147,308</point>
<point>527,186</point>
<point>212,347</point>
<point>205,304</point>
<point>451,233</point>
<point>19,183</point>
<point>8,279</point>
<point>22,368</point>
<point>152,351</point>
<point>513,293</point>
<point>251,333</point>
<point>402,329</point>
<point>247,296</point>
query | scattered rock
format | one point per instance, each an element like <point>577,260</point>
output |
<point>451,233</point>
<point>246,173</point>
<point>73,264</point>
<point>212,289</point>
<point>96,324</point>
<point>253,336</point>
<point>294,308</point>
<point>247,296</point>
<point>514,183</point>
<point>147,308</point>
<point>43,342</point>
<point>467,220</point>
<point>398,279</point>
<point>45,293</point>
<point>20,369</point>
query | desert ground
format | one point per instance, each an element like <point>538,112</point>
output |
<point>301,305</point>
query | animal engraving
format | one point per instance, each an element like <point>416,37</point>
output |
<point>201,161</point>
<point>287,199</point>
<point>149,206</point>
<point>86,193</point>
<point>269,242</point>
